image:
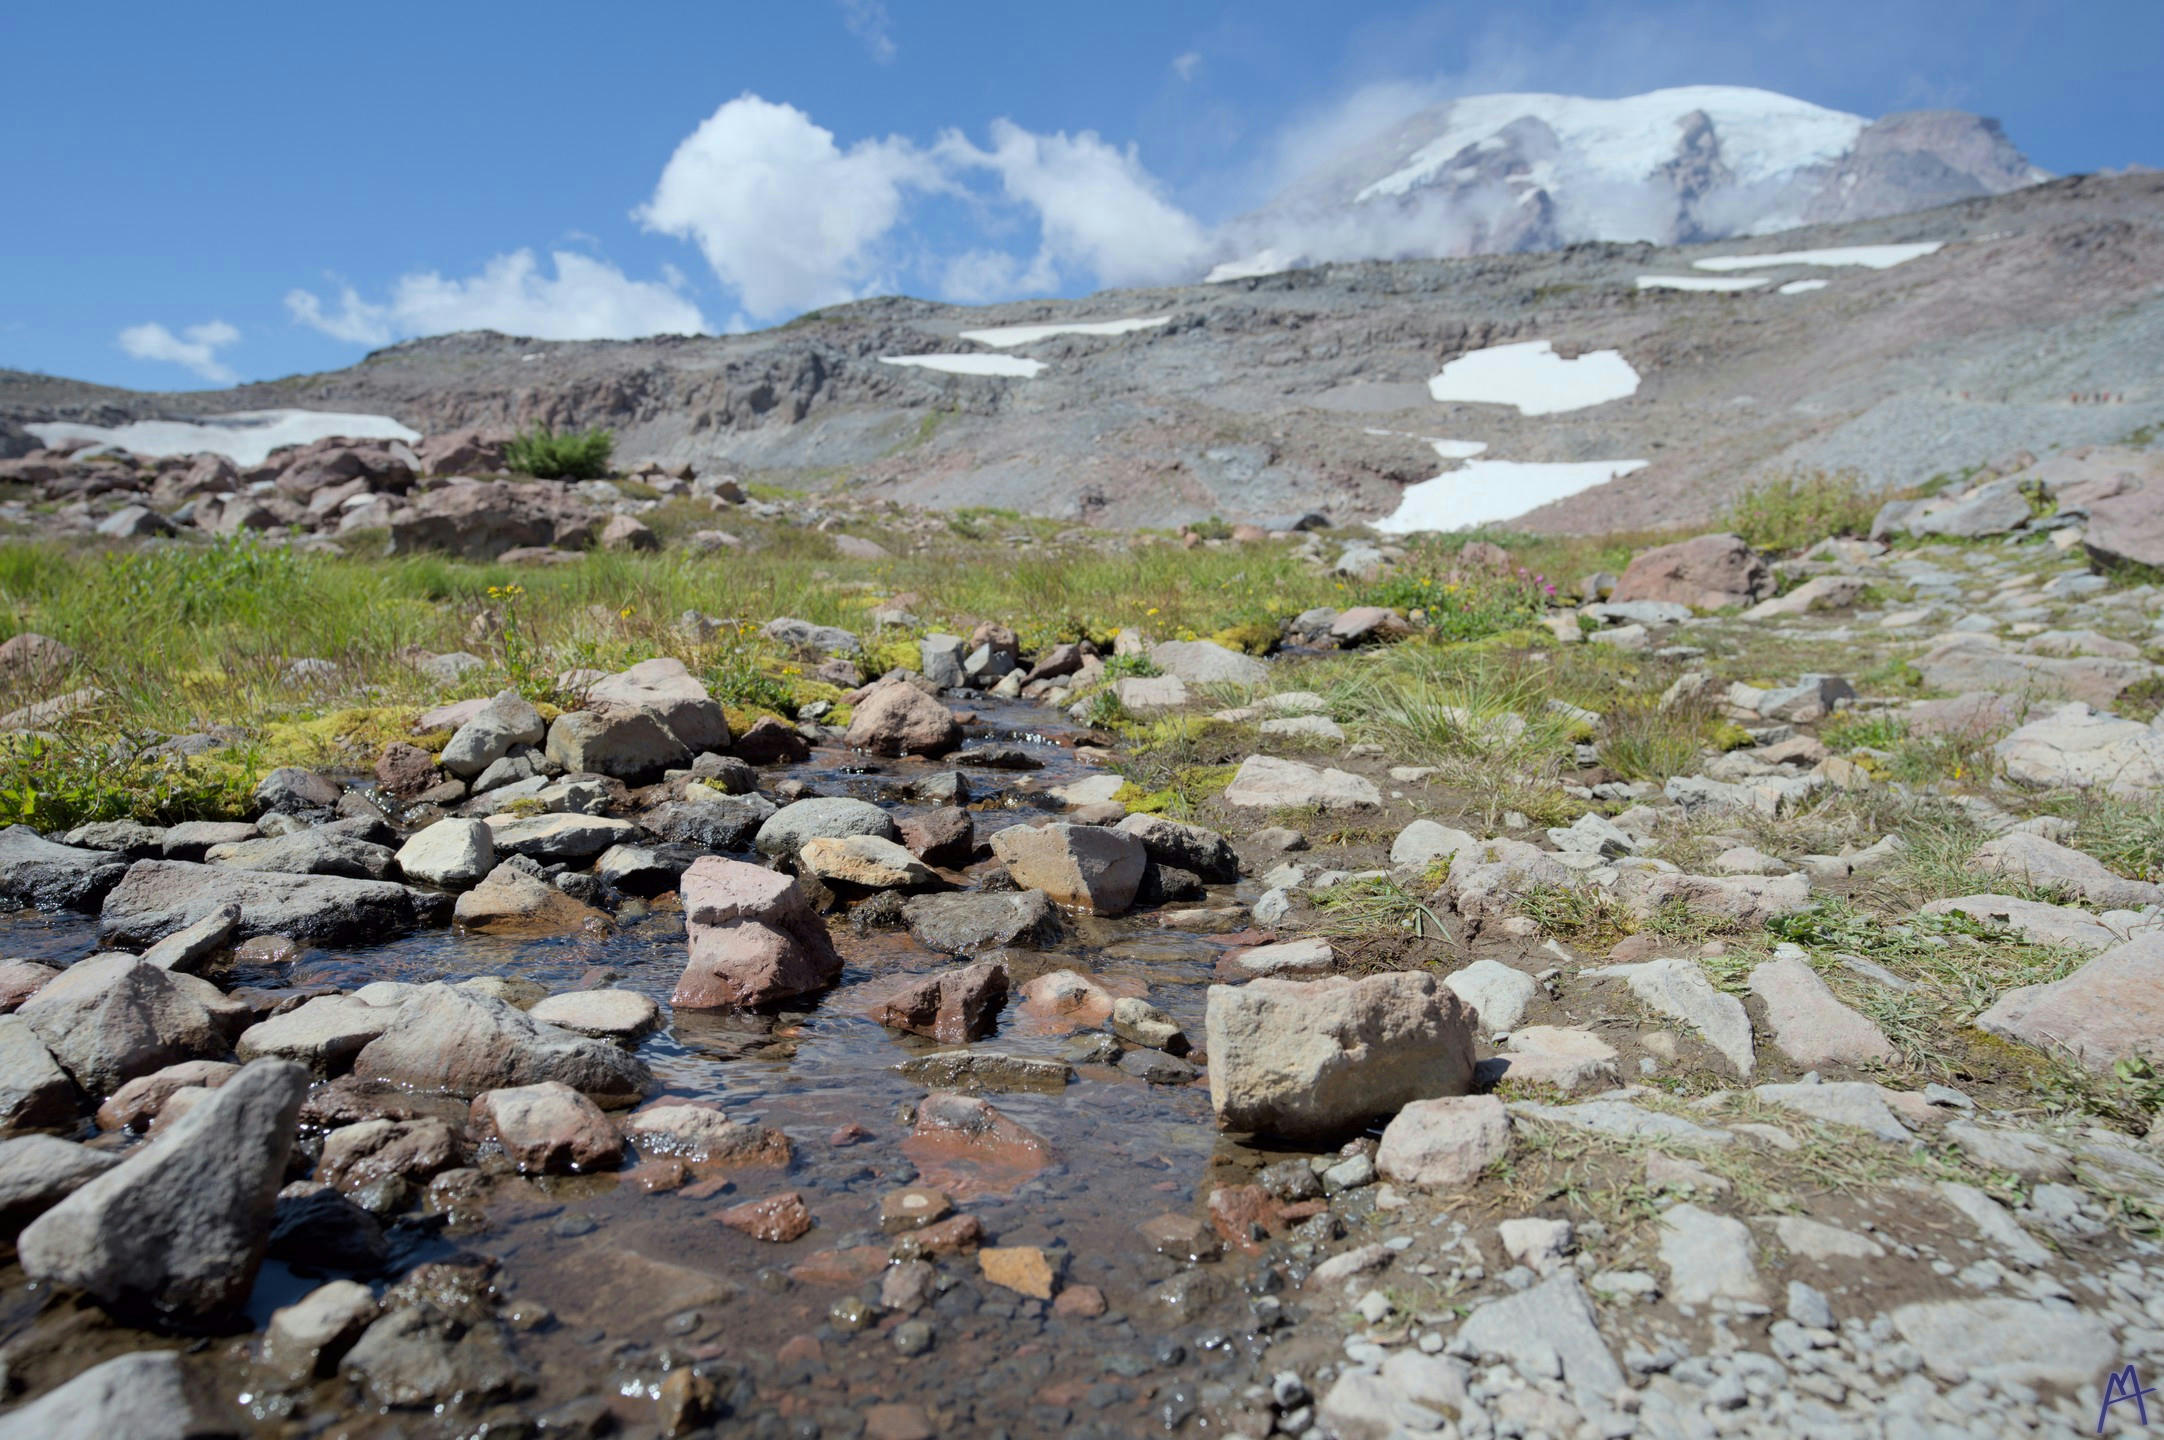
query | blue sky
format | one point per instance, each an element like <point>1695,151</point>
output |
<point>207,192</point>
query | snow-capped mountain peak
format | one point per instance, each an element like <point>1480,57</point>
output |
<point>1516,172</point>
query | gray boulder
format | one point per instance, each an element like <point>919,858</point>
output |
<point>179,1227</point>
<point>1313,1059</point>
<point>626,744</point>
<point>668,692</point>
<point>1085,866</point>
<point>37,1172</point>
<point>35,1093</point>
<point>36,872</point>
<point>307,852</point>
<point>2080,747</point>
<point>832,816</point>
<point>453,854</point>
<point>157,897</point>
<point>1205,662</point>
<point>508,720</point>
<point>143,1396</point>
<point>971,923</point>
<point>113,1018</point>
<point>460,1043</point>
<point>1189,847</point>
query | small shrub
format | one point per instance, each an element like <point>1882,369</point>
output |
<point>57,785</point>
<point>571,455</point>
<point>1796,511</point>
<point>1851,731</point>
<point>1130,667</point>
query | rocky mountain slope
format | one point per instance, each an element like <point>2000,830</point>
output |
<point>2034,324</point>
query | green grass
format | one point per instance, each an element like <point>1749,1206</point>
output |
<point>569,455</point>
<point>1795,511</point>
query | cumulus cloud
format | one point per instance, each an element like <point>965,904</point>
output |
<point>1099,211</point>
<point>196,347</point>
<point>868,21</point>
<point>788,219</point>
<point>585,299</point>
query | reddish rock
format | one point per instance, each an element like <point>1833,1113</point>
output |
<point>896,1421</point>
<point>956,1006</point>
<point>1079,1302</point>
<point>357,1156</point>
<point>853,1266</point>
<point>1706,572</point>
<point>753,938</point>
<point>778,1218</point>
<point>1067,996</point>
<point>771,742</point>
<point>967,1148</point>
<point>136,1104</point>
<point>548,1128</point>
<point>945,837</point>
<point>405,770</point>
<point>21,979</point>
<point>1238,1211</point>
<point>955,1235</point>
<point>849,1135</point>
<point>899,719</point>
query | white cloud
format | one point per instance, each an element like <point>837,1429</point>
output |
<point>1099,210</point>
<point>868,21</point>
<point>357,322</point>
<point>1186,65</point>
<point>787,218</point>
<point>585,299</point>
<point>196,347</point>
<point>980,277</point>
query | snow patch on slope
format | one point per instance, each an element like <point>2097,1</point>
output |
<point>1485,491</point>
<point>1701,282</point>
<point>1003,336</point>
<point>1531,376</point>
<point>1013,366</point>
<point>246,437</point>
<point>1873,257</point>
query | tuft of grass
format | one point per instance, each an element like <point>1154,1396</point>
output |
<point>547,454</point>
<point>1378,902</point>
<point>1797,510</point>
<point>1849,730</point>
<point>2127,838</point>
<point>1642,741</point>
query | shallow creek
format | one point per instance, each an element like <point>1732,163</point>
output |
<point>639,1281</point>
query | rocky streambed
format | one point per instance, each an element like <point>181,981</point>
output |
<point>618,1073</point>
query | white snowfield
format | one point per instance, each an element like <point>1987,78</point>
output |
<point>1871,257</point>
<point>1447,449</point>
<point>1013,366</point>
<point>1484,491</point>
<point>1763,136</point>
<point>1003,336</point>
<point>246,437</point>
<point>1457,449</point>
<point>1531,376</point>
<point>1802,287</point>
<point>1702,282</point>
<point>1262,262</point>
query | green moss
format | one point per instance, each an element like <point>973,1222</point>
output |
<point>343,738</point>
<point>1253,638</point>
